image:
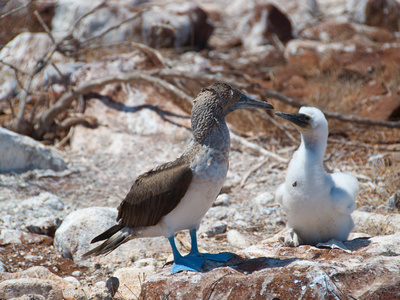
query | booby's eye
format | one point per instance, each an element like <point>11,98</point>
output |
<point>231,92</point>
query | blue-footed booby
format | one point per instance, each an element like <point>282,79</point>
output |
<point>176,195</point>
<point>318,205</point>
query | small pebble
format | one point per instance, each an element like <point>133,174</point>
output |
<point>216,228</point>
<point>76,273</point>
<point>112,285</point>
<point>72,280</point>
<point>222,200</point>
<point>236,239</point>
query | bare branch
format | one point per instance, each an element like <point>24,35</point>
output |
<point>257,148</point>
<point>65,139</point>
<point>199,77</point>
<point>154,55</point>
<point>65,101</point>
<point>102,34</point>
<point>252,170</point>
<point>16,69</point>
<point>40,19</point>
<point>280,126</point>
<point>78,119</point>
<point>15,10</point>
<point>40,65</point>
<point>101,5</point>
<point>275,95</point>
<point>328,114</point>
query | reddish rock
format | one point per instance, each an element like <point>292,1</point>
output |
<point>362,62</point>
<point>329,31</point>
<point>372,88</point>
<point>379,13</point>
<point>271,271</point>
<point>306,60</point>
<point>376,34</point>
<point>386,108</point>
<point>288,74</point>
<point>337,31</point>
<point>265,23</point>
<point>296,81</point>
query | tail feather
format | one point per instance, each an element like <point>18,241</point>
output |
<point>114,241</point>
<point>108,233</point>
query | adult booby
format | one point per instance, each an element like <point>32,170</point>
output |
<point>176,195</point>
<point>318,205</point>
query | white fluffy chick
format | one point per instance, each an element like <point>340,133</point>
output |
<point>318,205</point>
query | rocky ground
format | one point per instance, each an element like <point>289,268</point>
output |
<point>54,200</point>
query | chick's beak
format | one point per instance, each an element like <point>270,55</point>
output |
<point>298,119</point>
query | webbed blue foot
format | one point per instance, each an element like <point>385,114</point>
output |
<point>192,263</point>
<point>184,263</point>
<point>194,252</point>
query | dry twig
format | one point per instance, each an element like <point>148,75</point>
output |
<point>65,139</point>
<point>65,101</point>
<point>328,114</point>
<point>257,148</point>
<point>252,170</point>
<point>16,10</point>
<point>102,34</point>
<point>43,24</point>
<point>154,55</point>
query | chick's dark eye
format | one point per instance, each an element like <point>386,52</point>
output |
<point>307,118</point>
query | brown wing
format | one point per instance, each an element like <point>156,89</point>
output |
<point>155,194</point>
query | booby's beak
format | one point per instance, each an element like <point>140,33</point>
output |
<point>248,102</point>
<point>298,119</point>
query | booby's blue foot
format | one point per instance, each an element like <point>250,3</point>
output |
<point>192,263</point>
<point>221,257</point>
<point>184,263</point>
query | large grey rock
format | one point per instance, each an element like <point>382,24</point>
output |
<point>73,237</point>
<point>130,280</point>
<point>379,13</point>
<point>20,153</point>
<point>68,284</point>
<point>374,223</point>
<point>41,214</point>
<point>171,25</point>
<point>268,270</point>
<point>30,286</point>
<point>25,50</point>
<point>15,237</point>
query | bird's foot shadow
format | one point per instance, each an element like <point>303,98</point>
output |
<point>246,265</point>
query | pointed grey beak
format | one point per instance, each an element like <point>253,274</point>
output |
<point>248,102</point>
<point>301,120</point>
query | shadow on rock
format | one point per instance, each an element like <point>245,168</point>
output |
<point>357,243</point>
<point>163,114</point>
<point>246,265</point>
